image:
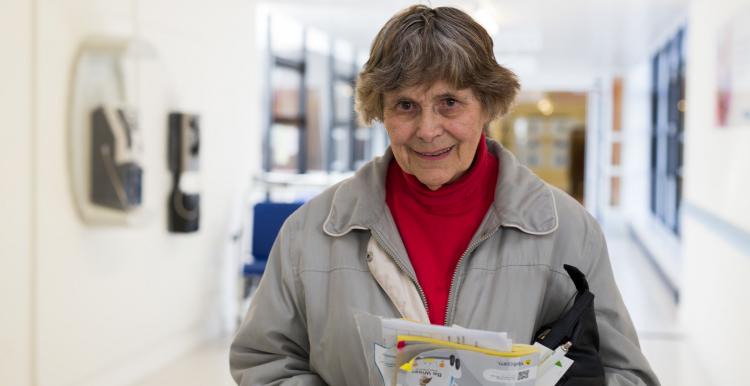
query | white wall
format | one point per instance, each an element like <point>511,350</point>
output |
<point>711,260</point>
<point>717,252</point>
<point>15,193</point>
<point>85,305</point>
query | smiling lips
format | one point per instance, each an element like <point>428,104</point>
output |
<point>435,155</point>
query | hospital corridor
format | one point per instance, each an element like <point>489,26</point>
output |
<point>182,175</point>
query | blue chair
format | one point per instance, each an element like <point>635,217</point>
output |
<point>267,220</point>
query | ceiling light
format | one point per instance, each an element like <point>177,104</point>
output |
<point>545,106</point>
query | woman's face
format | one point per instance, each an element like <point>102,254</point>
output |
<point>434,131</point>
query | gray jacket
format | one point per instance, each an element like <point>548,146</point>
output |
<point>341,253</point>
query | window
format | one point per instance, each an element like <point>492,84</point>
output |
<point>341,142</point>
<point>667,133</point>
<point>350,143</point>
<point>286,136</point>
<point>312,124</point>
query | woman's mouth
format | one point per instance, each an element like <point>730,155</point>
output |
<point>435,155</point>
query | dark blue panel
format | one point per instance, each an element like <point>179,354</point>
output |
<point>267,220</point>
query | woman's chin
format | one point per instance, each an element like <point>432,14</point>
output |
<point>433,182</point>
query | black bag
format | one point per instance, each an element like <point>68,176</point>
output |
<point>577,332</point>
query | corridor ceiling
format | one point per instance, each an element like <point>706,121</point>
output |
<point>550,43</point>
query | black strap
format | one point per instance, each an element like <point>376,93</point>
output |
<point>562,329</point>
<point>579,279</point>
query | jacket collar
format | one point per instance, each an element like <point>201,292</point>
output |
<point>522,200</point>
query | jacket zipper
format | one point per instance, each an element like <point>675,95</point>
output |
<point>459,267</point>
<point>404,270</point>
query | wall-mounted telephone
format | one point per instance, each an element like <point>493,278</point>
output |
<point>184,162</point>
<point>116,170</point>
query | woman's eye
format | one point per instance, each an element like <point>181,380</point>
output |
<point>449,107</point>
<point>405,105</point>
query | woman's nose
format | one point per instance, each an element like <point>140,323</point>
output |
<point>430,126</point>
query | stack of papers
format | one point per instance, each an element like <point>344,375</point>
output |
<point>405,353</point>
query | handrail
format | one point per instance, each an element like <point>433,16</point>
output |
<point>314,180</point>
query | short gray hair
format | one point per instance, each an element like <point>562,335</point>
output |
<point>421,45</point>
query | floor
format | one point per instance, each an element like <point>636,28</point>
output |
<point>654,313</point>
<point>652,309</point>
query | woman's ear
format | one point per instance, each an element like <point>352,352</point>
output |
<point>486,128</point>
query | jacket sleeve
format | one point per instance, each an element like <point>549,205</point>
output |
<point>272,345</point>
<point>624,363</point>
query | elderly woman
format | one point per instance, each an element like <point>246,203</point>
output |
<point>445,228</point>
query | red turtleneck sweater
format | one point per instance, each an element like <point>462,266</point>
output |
<point>437,226</point>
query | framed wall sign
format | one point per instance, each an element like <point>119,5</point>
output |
<point>733,71</point>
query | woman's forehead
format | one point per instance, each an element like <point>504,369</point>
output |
<point>429,91</point>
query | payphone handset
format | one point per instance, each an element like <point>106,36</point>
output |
<point>184,162</point>
<point>116,164</point>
